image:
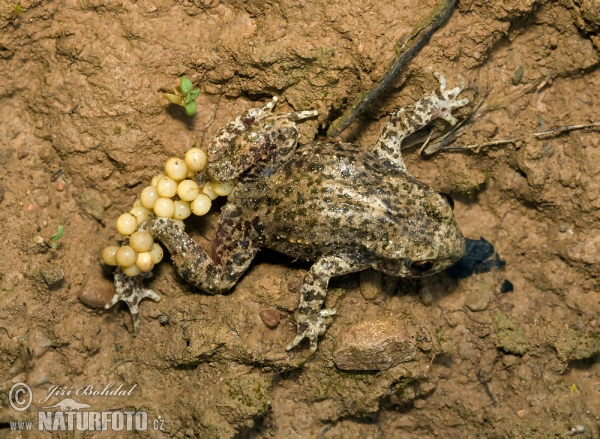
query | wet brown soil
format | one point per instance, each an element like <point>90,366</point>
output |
<point>83,129</point>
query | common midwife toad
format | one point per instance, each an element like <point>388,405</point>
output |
<point>343,207</point>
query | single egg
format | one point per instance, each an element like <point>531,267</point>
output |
<point>201,205</point>
<point>223,189</point>
<point>125,256</point>
<point>195,159</point>
<point>126,224</point>
<point>208,190</point>
<point>164,207</point>
<point>148,197</point>
<point>157,253</point>
<point>176,168</point>
<point>166,187</point>
<point>141,241</point>
<point>109,255</point>
<point>131,271</point>
<point>188,190</point>
<point>145,262</point>
<point>182,210</point>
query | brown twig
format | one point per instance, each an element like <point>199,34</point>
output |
<point>551,132</point>
<point>418,38</point>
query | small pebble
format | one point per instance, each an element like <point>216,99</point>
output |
<point>52,275</point>
<point>419,403</point>
<point>270,317</point>
<point>477,300</point>
<point>164,319</point>
<point>96,291</point>
<point>518,75</point>
<point>294,285</point>
<point>43,200</point>
<point>90,202</point>
<point>562,229</point>
<point>96,297</point>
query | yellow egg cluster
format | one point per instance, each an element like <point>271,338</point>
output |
<point>173,194</point>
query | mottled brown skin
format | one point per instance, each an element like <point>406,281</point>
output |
<point>337,204</point>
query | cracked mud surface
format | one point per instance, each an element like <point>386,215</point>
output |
<point>83,129</point>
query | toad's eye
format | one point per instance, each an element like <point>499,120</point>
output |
<point>448,199</point>
<point>422,266</point>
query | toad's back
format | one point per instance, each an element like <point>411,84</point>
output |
<point>336,198</point>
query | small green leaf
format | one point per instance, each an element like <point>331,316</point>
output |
<point>174,99</point>
<point>195,93</point>
<point>186,85</point>
<point>191,108</point>
<point>188,99</point>
<point>56,236</point>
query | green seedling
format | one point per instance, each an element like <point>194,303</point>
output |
<point>184,95</point>
<point>54,238</point>
<point>17,10</point>
<point>44,244</point>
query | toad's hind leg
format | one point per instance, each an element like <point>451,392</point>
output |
<point>256,140</point>
<point>233,251</point>
<point>405,121</point>
<point>310,320</point>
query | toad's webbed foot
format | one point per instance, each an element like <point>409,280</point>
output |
<point>311,326</point>
<point>131,291</point>
<point>446,99</point>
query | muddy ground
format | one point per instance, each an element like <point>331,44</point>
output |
<point>83,129</point>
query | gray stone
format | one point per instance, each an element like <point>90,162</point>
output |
<point>92,204</point>
<point>373,345</point>
<point>477,300</point>
<point>52,275</point>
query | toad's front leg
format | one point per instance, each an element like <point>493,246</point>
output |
<point>310,320</point>
<point>405,121</point>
